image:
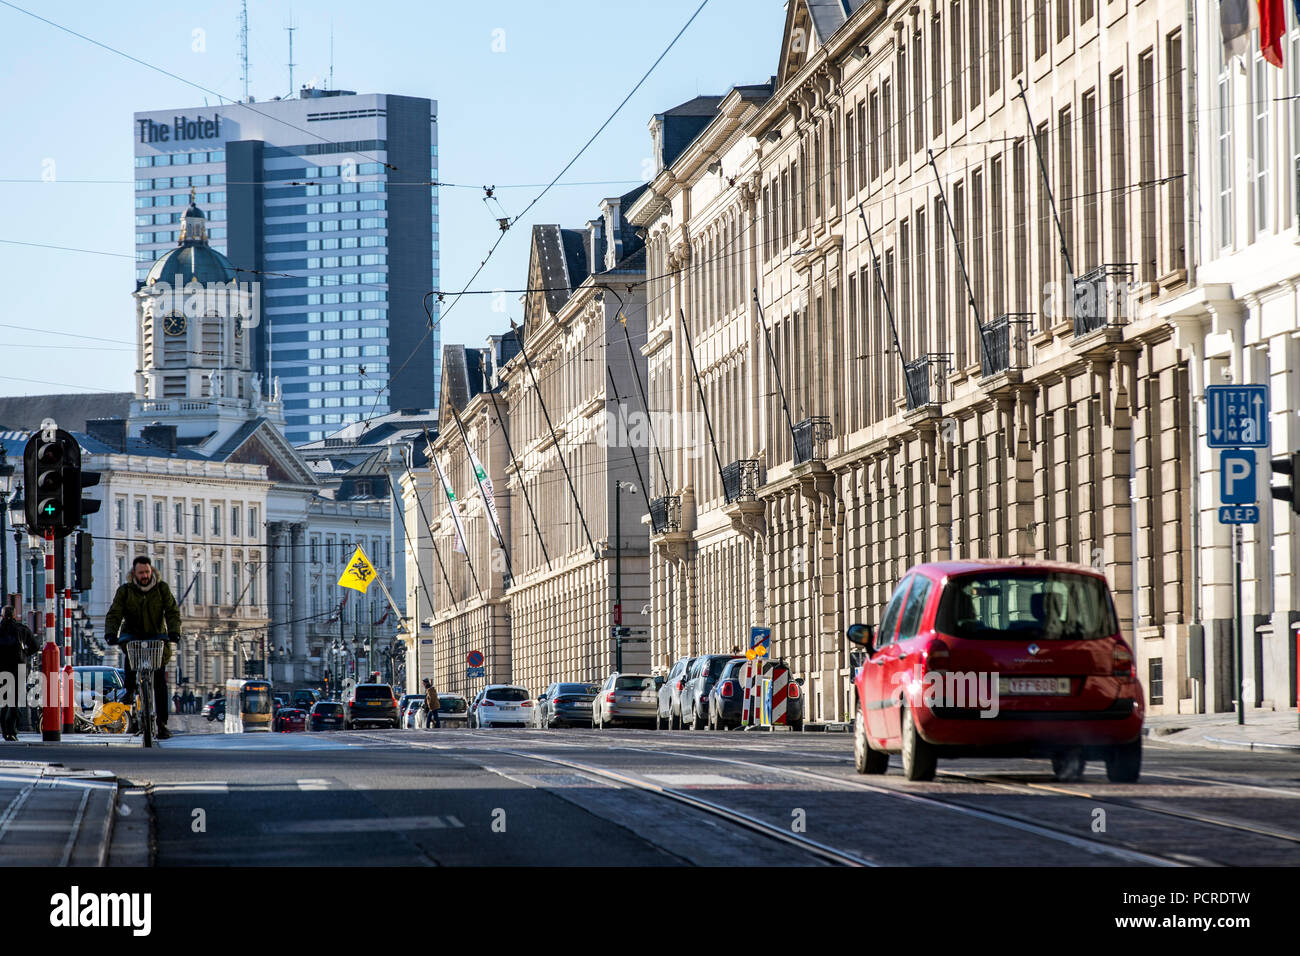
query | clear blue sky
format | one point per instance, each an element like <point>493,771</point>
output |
<point>513,117</point>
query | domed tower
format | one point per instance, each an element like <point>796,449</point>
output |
<point>193,319</point>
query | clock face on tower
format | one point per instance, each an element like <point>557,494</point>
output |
<point>174,325</point>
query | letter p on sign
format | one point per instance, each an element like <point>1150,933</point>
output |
<point>1237,477</point>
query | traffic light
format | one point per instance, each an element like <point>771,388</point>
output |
<point>622,632</point>
<point>1288,465</point>
<point>54,479</point>
<point>86,506</point>
<point>83,561</point>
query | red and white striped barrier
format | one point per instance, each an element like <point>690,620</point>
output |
<point>68,719</point>
<point>749,683</point>
<point>51,678</point>
<point>780,694</point>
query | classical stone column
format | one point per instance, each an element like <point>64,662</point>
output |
<point>298,562</point>
<point>277,589</point>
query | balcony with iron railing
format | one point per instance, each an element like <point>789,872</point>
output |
<point>740,480</point>
<point>811,437</point>
<point>1004,344</point>
<point>666,514</point>
<point>923,380</point>
<point>1101,298</point>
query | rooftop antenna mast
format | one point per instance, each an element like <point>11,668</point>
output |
<point>243,46</point>
<point>331,84</point>
<point>290,28</point>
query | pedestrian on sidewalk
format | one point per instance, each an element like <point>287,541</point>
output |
<point>17,643</point>
<point>431,704</point>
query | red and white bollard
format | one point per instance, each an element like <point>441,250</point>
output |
<point>745,711</point>
<point>68,719</point>
<point>51,679</point>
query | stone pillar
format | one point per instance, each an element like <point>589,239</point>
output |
<point>298,563</point>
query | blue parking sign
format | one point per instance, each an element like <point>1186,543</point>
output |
<point>1237,477</point>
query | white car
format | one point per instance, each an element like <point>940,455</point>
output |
<point>504,705</point>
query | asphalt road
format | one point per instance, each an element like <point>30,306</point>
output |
<point>642,798</point>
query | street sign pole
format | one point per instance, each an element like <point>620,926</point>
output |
<point>1238,538</point>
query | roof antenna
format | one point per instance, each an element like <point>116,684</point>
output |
<point>243,46</point>
<point>331,85</point>
<point>290,28</point>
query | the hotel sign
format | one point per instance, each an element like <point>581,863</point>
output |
<point>182,129</point>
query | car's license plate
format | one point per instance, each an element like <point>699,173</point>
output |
<point>1042,686</point>
<point>375,703</point>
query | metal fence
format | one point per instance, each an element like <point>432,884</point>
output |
<point>740,480</point>
<point>810,439</point>
<point>666,514</point>
<point>1101,297</point>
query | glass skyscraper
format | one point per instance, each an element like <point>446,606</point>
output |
<point>328,201</point>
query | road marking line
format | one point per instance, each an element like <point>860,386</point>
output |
<point>214,786</point>
<point>380,824</point>
<point>316,783</point>
<point>695,779</point>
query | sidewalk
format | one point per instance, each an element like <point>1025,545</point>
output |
<point>52,816</point>
<point>1265,731</point>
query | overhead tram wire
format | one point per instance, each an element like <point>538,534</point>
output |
<point>456,524</point>
<point>232,101</point>
<point>415,485</point>
<point>505,230</point>
<point>519,468</point>
<point>559,450</point>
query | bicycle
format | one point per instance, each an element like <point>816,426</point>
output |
<point>146,656</point>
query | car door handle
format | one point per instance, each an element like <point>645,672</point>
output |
<point>903,656</point>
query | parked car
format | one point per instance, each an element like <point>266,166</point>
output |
<point>727,697</point>
<point>700,678</point>
<point>371,704</point>
<point>1038,645</point>
<point>503,705</point>
<point>626,698</point>
<point>325,715</point>
<point>215,709</point>
<point>290,719</point>
<point>669,715</point>
<point>93,683</point>
<point>452,709</point>
<point>564,704</point>
<point>472,710</point>
<point>406,709</point>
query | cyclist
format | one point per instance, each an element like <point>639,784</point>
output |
<point>144,607</point>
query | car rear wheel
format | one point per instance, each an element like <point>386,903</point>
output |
<point>1124,763</point>
<point>866,760</point>
<point>674,720</point>
<point>696,723</point>
<point>919,757</point>
<point>1068,765</point>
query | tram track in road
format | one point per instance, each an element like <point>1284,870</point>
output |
<point>1104,800</point>
<point>717,811</point>
<point>1114,850</point>
<point>995,780</point>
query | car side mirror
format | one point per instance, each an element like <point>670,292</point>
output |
<point>799,681</point>
<point>659,680</point>
<point>864,635</point>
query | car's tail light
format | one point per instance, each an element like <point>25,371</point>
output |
<point>559,700</point>
<point>1122,661</point>
<point>609,697</point>
<point>937,656</point>
<point>792,692</point>
<point>679,686</point>
<point>527,703</point>
<point>726,690</point>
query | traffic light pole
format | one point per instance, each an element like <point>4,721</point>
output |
<point>1238,540</point>
<point>51,711</point>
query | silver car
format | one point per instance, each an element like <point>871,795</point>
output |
<point>626,698</point>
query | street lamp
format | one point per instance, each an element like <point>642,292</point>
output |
<point>618,567</point>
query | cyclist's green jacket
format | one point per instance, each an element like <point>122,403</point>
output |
<point>144,611</point>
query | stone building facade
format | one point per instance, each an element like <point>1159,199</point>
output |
<point>928,378</point>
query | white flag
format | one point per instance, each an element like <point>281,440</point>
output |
<point>489,496</point>
<point>459,544</point>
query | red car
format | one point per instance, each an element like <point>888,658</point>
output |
<point>290,719</point>
<point>998,658</point>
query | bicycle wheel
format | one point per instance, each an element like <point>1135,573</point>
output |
<point>145,681</point>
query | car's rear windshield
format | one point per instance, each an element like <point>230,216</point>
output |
<point>505,694</point>
<point>716,664</point>
<point>1015,605</point>
<point>574,689</point>
<point>633,682</point>
<point>374,691</point>
<point>452,705</point>
<point>328,708</point>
